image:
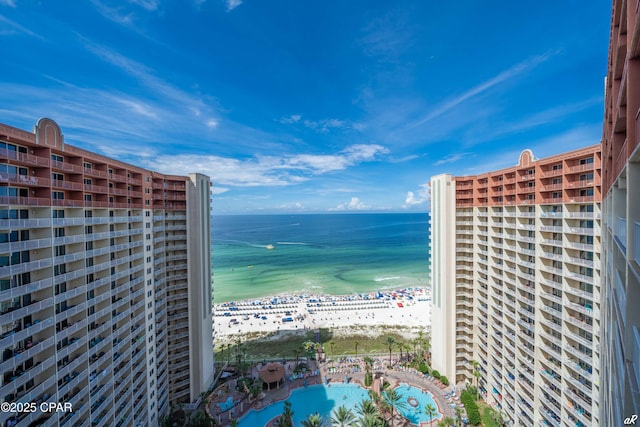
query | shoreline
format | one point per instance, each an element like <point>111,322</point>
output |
<point>362,313</point>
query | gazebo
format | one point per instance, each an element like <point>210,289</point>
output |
<point>272,375</point>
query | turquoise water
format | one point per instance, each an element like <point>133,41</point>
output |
<point>317,253</point>
<point>417,414</point>
<point>307,401</point>
<point>324,399</point>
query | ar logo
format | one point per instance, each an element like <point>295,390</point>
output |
<point>631,421</point>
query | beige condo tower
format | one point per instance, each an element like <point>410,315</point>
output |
<point>516,286</point>
<point>105,284</point>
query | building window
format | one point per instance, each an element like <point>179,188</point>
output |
<point>14,214</point>
<point>57,158</point>
<point>14,192</point>
<point>586,161</point>
<point>57,213</point>
<point>59,269</point>
<point>58,232</point>
<point>61,288</point>
<point>57,195</point>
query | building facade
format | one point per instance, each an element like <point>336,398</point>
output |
<point>105,274</point>
<point>620,332</point>
<point>516,286</point>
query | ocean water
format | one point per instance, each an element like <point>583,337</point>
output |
<point>317,253</point>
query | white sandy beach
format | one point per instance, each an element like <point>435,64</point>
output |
<point>406,307</point>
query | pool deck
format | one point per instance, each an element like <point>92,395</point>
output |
<point>331,372</point>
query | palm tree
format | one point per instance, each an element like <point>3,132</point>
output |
<point>310,348</point>
<point>343,417</point>
<point>286,419</point>
<point>393,400</point>
<point>356,344</point>
<point>448,421</point>
<point>296,352</point>
<point>390,343</point>
<point>367,408</point>
<point>371,421</point>
<point>332,344</point>
<point>431,411</point>
<point>477,375</point>
<point>427,346</point>
<point>458,415</point>
<point>313,420</point>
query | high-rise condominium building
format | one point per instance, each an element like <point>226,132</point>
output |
<point>515,271</point>
<point>105,284</point>
<point>620,332</point>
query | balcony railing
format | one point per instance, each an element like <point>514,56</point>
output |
<point>636,242</point>
<point>620,232</point>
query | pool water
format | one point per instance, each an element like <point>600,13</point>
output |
<point>325,398</point>
<point>309,400</point>
<point>416,414</point>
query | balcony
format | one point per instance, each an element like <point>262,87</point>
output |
<point>636,243</point>
<point>620,232</point>
<point>633,368</point>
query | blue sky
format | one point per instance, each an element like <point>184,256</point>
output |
<point>308,106</point>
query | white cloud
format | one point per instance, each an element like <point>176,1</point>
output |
<point>10,3</point>
<point>145,76</point>
<point>9,27</point>
<point>418,198</point>
<point>502,77</point>
<point>452,158</point>
<point>149,5</point>
<point>232,4</point>
<point>292,205</point>
<point>138,107</point>
<point>264,170</point>
<point>113,13</point>
<point>212,123</point>
<point>218,190</point>
<point>294,118</point>
<point>325,125</point>
<point>352,205</point>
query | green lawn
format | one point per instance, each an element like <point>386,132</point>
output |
<point>285,346</point>
<point>486,414</point>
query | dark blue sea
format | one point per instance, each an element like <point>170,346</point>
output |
<point>263,255</point>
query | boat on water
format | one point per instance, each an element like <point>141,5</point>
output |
<point>270,247</point>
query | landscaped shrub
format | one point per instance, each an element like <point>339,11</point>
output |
<point>471,407</point>
<point>444,380</point>
<point>435,373</point>
<point>368,379</point>
<point>424,368</point>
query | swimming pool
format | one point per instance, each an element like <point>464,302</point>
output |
<point>416,400</point>
<point>309,400</point>
<point>325,398</point>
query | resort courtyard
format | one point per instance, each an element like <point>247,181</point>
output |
<point>259,398</point>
